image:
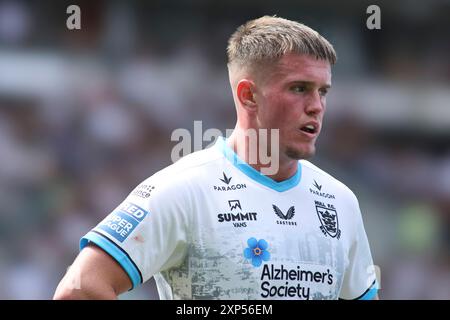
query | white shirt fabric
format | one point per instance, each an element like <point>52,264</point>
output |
<point>212,227</point>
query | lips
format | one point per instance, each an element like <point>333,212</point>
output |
<point>311,128</point>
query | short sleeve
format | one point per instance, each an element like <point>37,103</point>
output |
<point>147,233</point>
<point>359,281</point>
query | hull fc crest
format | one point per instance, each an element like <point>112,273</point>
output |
<point>328,219</point>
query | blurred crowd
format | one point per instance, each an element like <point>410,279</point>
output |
<point>85,115</point>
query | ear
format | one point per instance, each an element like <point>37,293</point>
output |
<point>245,94</point>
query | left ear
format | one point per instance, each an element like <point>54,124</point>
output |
<point>246,94</point>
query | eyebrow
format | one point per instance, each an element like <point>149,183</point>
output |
<point>308,83</point>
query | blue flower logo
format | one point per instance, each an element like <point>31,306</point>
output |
<point>257,251</point>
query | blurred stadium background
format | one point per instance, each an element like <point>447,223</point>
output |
<point>86,115</point>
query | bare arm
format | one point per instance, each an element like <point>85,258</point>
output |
<point>93,275</point>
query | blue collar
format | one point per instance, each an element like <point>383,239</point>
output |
<point>255,174</point>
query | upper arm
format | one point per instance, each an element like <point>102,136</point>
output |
<point>93,275</point>
<point>141,237</point>
<point>145,234</point>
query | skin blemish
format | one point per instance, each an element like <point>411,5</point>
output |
<point>139,239</point>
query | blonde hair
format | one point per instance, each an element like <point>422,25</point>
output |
<point>267,39</point>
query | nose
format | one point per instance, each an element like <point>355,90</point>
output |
<point>315,104</point>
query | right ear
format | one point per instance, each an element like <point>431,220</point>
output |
<point>245,94</point>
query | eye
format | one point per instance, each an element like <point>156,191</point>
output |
<point>298,88</point>
<point>323,92</point>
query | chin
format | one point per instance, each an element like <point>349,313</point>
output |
<point>300,153</point>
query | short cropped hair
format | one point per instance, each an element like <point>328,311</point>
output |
<point>267,39</point>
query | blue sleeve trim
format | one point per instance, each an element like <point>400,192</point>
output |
<point>370,293</point>
<point>116,252</point>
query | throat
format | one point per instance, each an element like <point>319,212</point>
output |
<point>266,159</point>
<point>285,171</point>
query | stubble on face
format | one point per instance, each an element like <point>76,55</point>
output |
<point>295,154</point>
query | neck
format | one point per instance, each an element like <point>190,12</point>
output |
<point>279,169</point>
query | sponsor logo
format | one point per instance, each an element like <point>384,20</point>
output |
<point>256,251</point>
<point>234,204</point>
<point>143,190</point>
<point>289,280</point>
<point>328,219</point>
<point>319,187</point>
<point>295,281</point>
<point>285,217</point>
<point>226,180</point>
<point>318,191</point>
<point>238,218</point>
<point>122,221</point>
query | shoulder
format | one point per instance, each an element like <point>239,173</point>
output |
<point>332,184</point>
<point>175,188</point>
<point>184,174</point>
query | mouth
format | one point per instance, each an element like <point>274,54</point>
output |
<point>311,129</point>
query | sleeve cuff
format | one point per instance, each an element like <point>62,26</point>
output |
<point>370,293</point>
<point>116,252</point>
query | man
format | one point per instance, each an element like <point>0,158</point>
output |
<point>212,226</point>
